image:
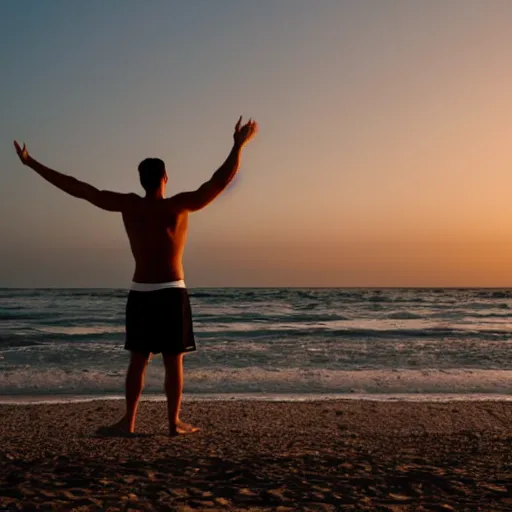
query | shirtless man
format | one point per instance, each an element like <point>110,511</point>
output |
<point>158,315</point>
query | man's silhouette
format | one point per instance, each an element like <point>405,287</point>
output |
<point>158,315</point>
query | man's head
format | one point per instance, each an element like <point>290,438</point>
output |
<point>152,174</point>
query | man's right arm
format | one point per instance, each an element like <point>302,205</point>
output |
<point>206,193</point>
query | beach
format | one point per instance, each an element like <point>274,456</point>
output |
<point>257,455</point>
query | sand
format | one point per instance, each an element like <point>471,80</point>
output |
<point>339,455</point>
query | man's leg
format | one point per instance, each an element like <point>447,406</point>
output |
<point>133,390</point>
<point>174,391</point>
<point>134,385</point>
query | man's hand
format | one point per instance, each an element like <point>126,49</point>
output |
<point>243,134</point>
<point>22,153</point>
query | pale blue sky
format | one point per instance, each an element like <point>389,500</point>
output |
<point>382,157</point>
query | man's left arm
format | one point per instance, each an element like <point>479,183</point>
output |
<point>104,199</point>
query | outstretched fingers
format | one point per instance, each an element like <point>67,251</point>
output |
<point>253,127</point>
<point>21,151</point>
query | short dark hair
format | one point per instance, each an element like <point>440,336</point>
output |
<point>151,173</point>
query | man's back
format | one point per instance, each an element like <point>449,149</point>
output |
<point>157,236</point>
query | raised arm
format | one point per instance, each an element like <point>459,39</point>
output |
<point>104,199</point>
<point>206,193</point>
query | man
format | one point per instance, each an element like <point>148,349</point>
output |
<point>158,316</point>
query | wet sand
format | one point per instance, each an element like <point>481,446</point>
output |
<point>339,455</point>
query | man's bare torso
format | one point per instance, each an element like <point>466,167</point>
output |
<point>157,238</point>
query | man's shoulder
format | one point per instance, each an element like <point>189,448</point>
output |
<point>176,203</point>
<point>132,203</point>
<point>128,198</point>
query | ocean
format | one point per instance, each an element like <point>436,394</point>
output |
<point>284,343</point>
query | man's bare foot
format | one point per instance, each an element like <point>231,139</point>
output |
<point>121,428</point>
<point>181,429</point>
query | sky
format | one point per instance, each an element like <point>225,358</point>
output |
<point>383,156</point>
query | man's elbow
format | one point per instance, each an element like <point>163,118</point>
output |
<point>83,191</point>
<point>213,189</point>
<point>215,186</point>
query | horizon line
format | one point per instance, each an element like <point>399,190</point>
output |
<point>416,287</point>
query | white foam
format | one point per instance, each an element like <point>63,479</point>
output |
<point>82,331</point>
<point>28,381</point>
<point>358,381</point>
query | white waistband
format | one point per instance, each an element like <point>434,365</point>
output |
<point>150,287</point>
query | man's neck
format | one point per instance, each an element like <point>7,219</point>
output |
<point>159,194</point>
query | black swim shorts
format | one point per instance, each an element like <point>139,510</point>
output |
<point>159,321</point>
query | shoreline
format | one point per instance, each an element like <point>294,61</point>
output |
<point>49,399</point>
<point>257,455</point>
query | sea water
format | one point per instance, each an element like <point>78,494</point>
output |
<point>263,343</point>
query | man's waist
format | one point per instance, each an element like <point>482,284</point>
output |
<point>150,287</point>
